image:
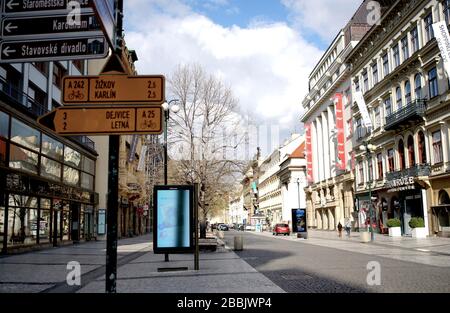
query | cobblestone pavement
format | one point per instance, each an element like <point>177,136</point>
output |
<point>339,265</point>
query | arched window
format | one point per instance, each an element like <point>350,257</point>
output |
<point>422,148</point>
<point>407,92</point>
<point>399,98</point>
<point>443,197</point>
<point>411,154</point>
<point>418,86</point>
<point>401,154</point>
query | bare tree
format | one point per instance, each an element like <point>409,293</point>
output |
<point>201,133</point>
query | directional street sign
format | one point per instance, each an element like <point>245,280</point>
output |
<point>51,50</point>
<point>114,89</point>
<point>23,6</point>
<point>122,120</point>
<point>51,30</point>
<point>48,25</point>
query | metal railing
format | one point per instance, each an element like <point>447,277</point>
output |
<point>414,171</point>
<point>34,108</point>
<point>413,109</point>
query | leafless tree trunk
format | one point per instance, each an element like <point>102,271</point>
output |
<point>201,131</point>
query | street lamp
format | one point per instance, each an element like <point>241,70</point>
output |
<point>167,107</point>
<point>368,149</point>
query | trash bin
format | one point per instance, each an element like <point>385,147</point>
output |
<point>238,243</point>
<point>365,236</point>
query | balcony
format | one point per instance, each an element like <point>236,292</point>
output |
<point>411,113</point>
<point>32,108</point>
<point>415,171</point>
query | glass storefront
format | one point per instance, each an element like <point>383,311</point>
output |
<point>51,205</point>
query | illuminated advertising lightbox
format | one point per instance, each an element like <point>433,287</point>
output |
<point>299,221</point>
<point>173,219</point>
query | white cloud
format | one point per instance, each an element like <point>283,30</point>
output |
<point>324,17</point>
<point>267,65</point>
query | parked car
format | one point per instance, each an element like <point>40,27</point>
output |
<point>222,227</point>
<point>281,229</point>
<point>250,227</point>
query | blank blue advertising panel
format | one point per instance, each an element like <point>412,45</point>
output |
<point>173,217</point>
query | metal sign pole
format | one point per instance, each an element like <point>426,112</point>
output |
<point>113,208</point>
<point>196,255</point>
<point>113,192</point>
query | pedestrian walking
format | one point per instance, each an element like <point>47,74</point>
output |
<point>339,227</point>
<point>348,226</point>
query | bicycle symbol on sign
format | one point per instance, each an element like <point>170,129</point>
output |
<point>76,95</point>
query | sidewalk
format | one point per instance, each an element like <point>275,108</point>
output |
<point>45,271</point>
<point>433,251</point>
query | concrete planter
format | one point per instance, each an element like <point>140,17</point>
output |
<point>364,236</point>
<point>395,232</point>
<point>419,232</point>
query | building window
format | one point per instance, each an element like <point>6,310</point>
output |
<point>422,148</point>
<point>433,83</point>
<point>418,86</point>
<point>25,135</point>
<point>361,172</point>
<point>377,117</point>
<point>380,165</point>
<point>386,64</point>
<point>349,128</point>
<point>407,92</point>
<point>357,88</point>
<point>401,154</point>
<point>399,102</point>
<point>37,95</point>
<point>388,106</point>
<point>41,67</point>
<point>366,81</point>
<point>429,34</point>
<point>391,160</point>
<point>437,147</point>
<point>447,10</point>
<point>411,154</point>
<point>396,55</point>
<point>375,73</point>
<point>359,130</point>
<point>79,64</point>
<point>405,48</point>
<point>58,73</point>
<point>414,40</point>
<point>4,125</point>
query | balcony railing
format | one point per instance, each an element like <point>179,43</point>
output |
<point>414,171</point>
<point>34,108</point>
<point>413,111</point>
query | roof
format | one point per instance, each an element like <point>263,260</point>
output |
<point>299,152</point>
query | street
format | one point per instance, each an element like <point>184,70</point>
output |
<point>298,266</point>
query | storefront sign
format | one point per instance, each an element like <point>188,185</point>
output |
<point>443,39</point>
<point>309,157</point>
<point>341,162</point>
<point>404,183</point>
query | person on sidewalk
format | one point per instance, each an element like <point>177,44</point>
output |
<point>348,226</point>
<point>339,227</point>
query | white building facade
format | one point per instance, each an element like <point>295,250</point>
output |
<point>328,124</point>
<point>399,69</point>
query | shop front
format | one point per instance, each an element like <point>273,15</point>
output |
<point>440,206</point>
<point>35,212</point>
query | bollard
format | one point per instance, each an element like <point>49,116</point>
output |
<point>238,243</point>
<point>220,234</point>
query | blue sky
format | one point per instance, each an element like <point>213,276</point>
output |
<point>264,49</point>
